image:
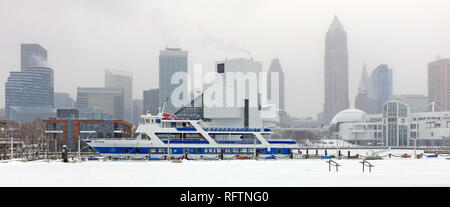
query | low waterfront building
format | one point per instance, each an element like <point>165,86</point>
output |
<point>397,126</point>
<point>67,131</point>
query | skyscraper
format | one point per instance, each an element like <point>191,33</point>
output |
<point>362,100</point>
<point>31,89</point>
<point>151,101</point>
<point>108,100</point>
<point>63,101</point>
<point>122,79</point>
<point>380,86</point>
<point>336,71</point>
<point>32,55</point>
<point>171,61</point>
<point>137,110</point>
<point>275,67</point>
<point>439,83</point>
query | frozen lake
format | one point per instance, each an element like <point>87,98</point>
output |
<point>303,172</point>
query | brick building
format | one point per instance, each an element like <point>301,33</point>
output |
<point>67,131</point>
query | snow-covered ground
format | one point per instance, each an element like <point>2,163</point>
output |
<point>303,172</point>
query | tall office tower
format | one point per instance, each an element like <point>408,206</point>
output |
<point>336,71</point>
<point>110,101</point>
<point>137,110</point>
<point>122,79</point>
<point>151,101</point>
<point>29,92</point>
<point>380,86</point>
<point>171,61</point>
<point>439,83</point>
<point>32,55</point>
<point>63,101</point>
<point>275,67</point>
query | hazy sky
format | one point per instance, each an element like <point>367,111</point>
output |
<point>84,37</point>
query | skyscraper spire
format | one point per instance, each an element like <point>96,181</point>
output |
<point>364,82</point>
<point>336,25</point>
<point>275,67</point>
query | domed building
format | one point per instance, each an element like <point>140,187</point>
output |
<point>352,125</point>
<point>349,115</point>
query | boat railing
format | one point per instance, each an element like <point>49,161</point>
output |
<point>238,142</point>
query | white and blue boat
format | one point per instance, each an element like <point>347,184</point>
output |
<point>166,135</point>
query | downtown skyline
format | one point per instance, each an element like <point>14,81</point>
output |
<point>301,53</point>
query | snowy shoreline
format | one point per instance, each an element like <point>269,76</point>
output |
<point>264,173</point>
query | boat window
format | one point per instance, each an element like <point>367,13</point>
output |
<point>138,151</point>
<point>158,120</point>
<point>145,136</point>
<point>266,136</point>
<point>186,151</point>
<point>162,151</point>
<point>152,150</point>
<point>260,151</point>
<point>193,136</point>
<point>218,151</point>
<point>172,136</point>
<point>227,151</point>
<point>147,121</point>
<point>251,150</point>
<point>235,151</point>
<point>173,124</point>
<point>125,150</point>
<point>232,136</point>
<point>279,151</point>
<point>244,151</point>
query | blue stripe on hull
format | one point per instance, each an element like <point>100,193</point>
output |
<point>181,150</point>
<point>282,142</point>
<point>186,142</point>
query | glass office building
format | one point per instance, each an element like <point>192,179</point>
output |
<point>380,86</point>
<point>171,61</point>
<point>124,80</point>
<point>30,87</point>
<point>101,102</point>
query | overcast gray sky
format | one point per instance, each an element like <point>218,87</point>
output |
<point>84,37</point>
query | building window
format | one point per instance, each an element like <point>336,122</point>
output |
<point>221,68</point>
